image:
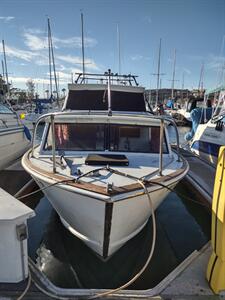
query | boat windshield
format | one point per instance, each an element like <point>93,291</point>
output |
<point>4,109</point>
<point>101,137</point>
<point>220,107</point>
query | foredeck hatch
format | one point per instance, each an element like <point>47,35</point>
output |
<point>107,159</point>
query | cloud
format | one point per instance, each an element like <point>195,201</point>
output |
<point>187,71</point>
<point>33,42</point>
<point>215,62</point>
<point>194,57</point>
<point>64,78</point>
<point>74,42</point>
<point>138,57</point>
<point>6,19</point>
<point>36,40</point>
<point>25,79</point>
<point>148,19</point>
<point>18,53</point>
<point>76,60</point>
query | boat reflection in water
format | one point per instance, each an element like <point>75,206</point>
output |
<point>98,159</point>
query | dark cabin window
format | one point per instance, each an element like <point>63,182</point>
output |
<point>98,100</point>
<point>100,137</point>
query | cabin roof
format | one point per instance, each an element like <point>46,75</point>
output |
<point>95,97</point>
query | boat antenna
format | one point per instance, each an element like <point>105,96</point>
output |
<point>82,41</point>
<point>5,63</point>
<point>52,59</point>
<point>158,73</point>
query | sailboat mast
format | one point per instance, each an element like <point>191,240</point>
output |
<point>174,71</point>
<point>3,71</point>
<point>53,63</point>
<point>82,40</point>
<point>200,84</point>
<point>49,58</point>
<point>6,71</point>
<point>158,73</point>
<point>182,87</point>
<point>118,43</point>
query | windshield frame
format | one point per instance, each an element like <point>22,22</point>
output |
<point>107,141</point>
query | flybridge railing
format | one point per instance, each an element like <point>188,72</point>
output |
<point>162,119</point>
<point>105,77</point>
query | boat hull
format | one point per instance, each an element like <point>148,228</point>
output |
<point>104,226</point>
<point>207,142</point>
<point>13,143</point>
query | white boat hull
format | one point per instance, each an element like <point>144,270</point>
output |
<point>104,226</point>
<point>206,142</point>
<point>13,143</point>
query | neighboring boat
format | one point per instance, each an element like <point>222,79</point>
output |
<point>42,106</point>
<point>209,137</point>
<point>96,155</point>
<point>51,103</point>
<point>183,115</point>
<point>14,136</point>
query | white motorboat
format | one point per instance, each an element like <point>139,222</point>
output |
<point>99,157</point>
<point>209,137</point>
<point>14,136</point>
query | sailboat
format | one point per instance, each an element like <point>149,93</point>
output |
<point>49,104</point>
<point>14,135</point>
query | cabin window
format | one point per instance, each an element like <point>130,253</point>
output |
<point>135,139</point>
<point>75,137</point>
<point>100,137</point>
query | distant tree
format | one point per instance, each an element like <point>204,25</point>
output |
<point>30,89</point>
<point>64,92</point>
<point>47,93</point>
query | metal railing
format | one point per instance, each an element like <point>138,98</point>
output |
<point>162,133</point>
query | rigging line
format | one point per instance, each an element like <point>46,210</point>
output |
<point>27,287</point>
<point>44,188</point>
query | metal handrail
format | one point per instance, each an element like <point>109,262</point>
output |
<point>162,125</point>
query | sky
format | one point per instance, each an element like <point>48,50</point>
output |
<point>195,28</point>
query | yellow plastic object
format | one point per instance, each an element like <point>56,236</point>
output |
<point>22,116</point>
<point>216,266</point>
